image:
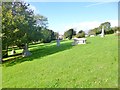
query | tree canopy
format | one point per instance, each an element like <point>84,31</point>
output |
<point>80,34</point>
<point>69,33</point>
<point>106,26</point>
<point>20,26</point>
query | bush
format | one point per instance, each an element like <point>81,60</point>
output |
<point>68,34</point>
<point>80,35</point>
<point>109,31</point>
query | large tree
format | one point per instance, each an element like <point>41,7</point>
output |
<point>17,24</point>
<point>7,27</point>
<point>41,23</point>
<point>20,26</point>
<point>23,17</point>
<point>106,26</point>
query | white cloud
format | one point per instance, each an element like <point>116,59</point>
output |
<point>98,3</point>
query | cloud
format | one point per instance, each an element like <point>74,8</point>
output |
<point>99,3</point>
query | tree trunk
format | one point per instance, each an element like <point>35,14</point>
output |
<point>26,52</point>
<point>5,52</point>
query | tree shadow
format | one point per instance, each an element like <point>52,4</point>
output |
<point>32,46</point>
<point>39,52</point>
<point>88,42</point>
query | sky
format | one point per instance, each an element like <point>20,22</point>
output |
<point>78,15</point>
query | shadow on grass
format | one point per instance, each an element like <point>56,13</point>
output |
<point>88,42</point>
<point>40,52</point>
<point>32,46</point>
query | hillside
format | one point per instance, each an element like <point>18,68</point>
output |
<point>93,65</point>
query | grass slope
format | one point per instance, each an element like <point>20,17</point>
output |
<point>94,65</point>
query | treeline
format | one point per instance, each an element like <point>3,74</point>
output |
<point>96,31</point>
<point>20,26</point>
<point>72,33</point>
<point>107,29</point>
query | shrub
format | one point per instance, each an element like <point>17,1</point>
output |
<point>80,35</point>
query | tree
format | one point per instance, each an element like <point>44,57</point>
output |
<point>107,27</point>
<point>91,32</point>
<point>23,16</point>
<point>17,24</point>
<point>20,26</point>
<point>7,28</point>
<point>40,24</point>
<point>41,21</point>
<point>48,36</point>
<point>0,32</point>
<point>80,34</point>
<point>95,31</point>
<point>53,35</point>
<point>115,29</point>
<point>74,32</point>
<point>68,34</point>
<point>56,35</point>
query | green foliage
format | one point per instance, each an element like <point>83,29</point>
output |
<point>41,21</point>
<point>80,34</point>
<point>106,26</point>
<point>48,35</point>
<point>115,29</point>
<point>5,53</point>
<point>74,33</point>
<point>21,26</point>
<point>68,34</point>
<point>56,35</point>
<point>95,31</point>
<point>7,28</point>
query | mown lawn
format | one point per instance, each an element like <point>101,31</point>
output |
<point>94,65</point>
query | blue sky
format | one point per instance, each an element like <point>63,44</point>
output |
<point>79,15</point>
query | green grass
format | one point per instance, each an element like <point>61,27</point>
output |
<point>93,65</point>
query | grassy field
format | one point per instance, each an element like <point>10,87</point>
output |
<point>93,65</point>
